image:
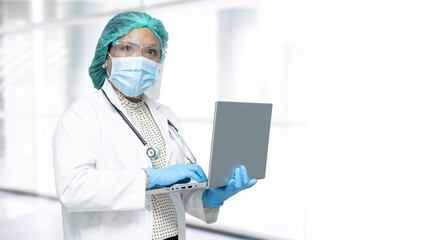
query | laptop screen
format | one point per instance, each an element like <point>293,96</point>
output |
<point>240,137</point>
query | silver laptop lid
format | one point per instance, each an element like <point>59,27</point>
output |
<point>240,137</point>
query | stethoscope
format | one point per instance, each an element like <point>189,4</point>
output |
<point>153,152</point>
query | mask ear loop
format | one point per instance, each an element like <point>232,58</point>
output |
<point>106,68</point>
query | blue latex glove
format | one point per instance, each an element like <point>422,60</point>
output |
<point>174,174</point>
<point>214,198</point>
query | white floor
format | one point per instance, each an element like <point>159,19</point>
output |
<point>36,218</point>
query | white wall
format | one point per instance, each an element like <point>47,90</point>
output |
<point>364,72</point>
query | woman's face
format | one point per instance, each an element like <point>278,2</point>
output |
<point>142,36</point>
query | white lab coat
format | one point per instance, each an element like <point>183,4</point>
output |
<point>99,181</point>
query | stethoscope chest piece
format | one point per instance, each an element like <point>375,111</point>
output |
<point>153,153</point>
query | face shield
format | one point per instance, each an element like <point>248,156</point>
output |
<point>135,64</point>
<point>153,92</point>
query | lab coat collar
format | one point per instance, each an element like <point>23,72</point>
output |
<point>109,91</point>
<point>151,102</point>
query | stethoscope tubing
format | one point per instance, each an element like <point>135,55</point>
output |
<point>152,151</point>
<point>127,121</point>
<point>174,129</point>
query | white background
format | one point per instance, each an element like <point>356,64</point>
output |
<point>365,77</point>
<point>346,76</point>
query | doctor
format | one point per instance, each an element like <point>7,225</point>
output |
<point>110,146</point>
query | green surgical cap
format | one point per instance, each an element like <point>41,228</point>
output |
<point>118,26</point>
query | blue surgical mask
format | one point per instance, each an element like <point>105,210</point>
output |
<point>133,75</point>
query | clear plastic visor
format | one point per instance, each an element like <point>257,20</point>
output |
<point>127,48</point>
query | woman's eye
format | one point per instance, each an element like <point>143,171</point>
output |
<point>152,52</point>
<point>126,48</point>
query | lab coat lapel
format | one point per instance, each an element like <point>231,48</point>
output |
<point>161,121</point>
<point>109,90</point>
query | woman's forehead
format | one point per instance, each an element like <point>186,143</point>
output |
<point>142,36</point>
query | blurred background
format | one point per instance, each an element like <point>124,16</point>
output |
<point>218,50</point>
<point>347,155</point>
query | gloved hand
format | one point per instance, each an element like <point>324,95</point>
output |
<point>214,198</point>
<point>173,174</point>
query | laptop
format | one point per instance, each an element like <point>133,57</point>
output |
<point>240,137</point>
